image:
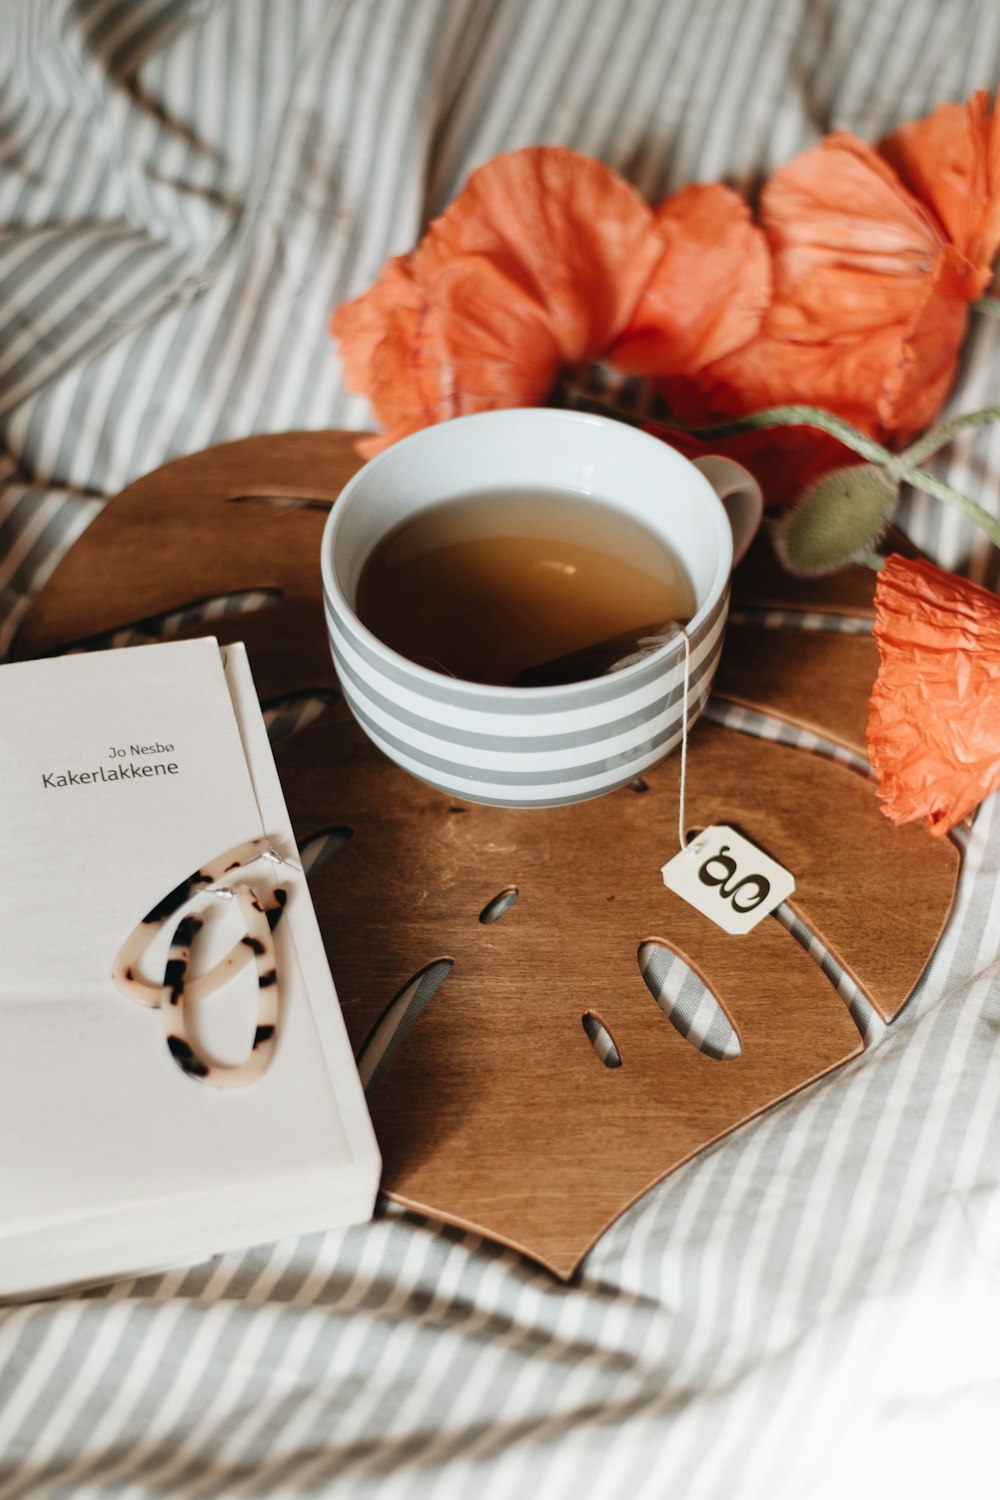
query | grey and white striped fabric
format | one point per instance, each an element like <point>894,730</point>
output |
<point>810,1309</point>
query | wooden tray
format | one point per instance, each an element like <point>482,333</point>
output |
<point>496,1113</point>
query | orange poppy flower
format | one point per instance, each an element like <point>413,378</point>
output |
<point>934,714</point>
<point>537,264</point>
<point>876,257</point>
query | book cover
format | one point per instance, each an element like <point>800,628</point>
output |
<point>121,774</point>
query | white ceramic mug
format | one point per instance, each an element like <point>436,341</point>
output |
<point>536,746</point>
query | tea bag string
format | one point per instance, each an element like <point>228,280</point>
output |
<point>684,738</point>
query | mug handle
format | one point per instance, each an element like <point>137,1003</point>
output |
<point>740,494</point>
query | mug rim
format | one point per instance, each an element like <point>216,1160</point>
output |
<point>663,655</point>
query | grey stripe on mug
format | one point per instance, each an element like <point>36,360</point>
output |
<point>611,766</point>
<point>523,702</point>
<point>525,744</point>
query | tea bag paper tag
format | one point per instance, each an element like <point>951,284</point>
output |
<point>728,879</point>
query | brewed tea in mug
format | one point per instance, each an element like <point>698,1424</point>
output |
<point>487,586</point>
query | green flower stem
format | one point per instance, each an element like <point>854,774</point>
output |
<point>939,436</point>
<point>873,560</point>
<point>775,416</point>
<point>941,490</point>
<point>801,416</point>
<point>989,305</point>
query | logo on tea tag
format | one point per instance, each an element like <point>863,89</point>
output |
<point>728,879</point>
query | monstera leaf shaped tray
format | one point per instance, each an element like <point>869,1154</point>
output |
<point>497,1113</point>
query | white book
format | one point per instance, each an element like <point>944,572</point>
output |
<point>121,773</point>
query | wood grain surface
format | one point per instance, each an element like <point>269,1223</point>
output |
<point>496,1114</point>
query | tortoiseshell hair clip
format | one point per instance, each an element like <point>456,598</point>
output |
<point>178,991</point>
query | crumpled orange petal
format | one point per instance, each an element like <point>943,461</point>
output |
<point>538,263</point>
<point>373,332</point>
<point>709,291</point>
<point>869,301</point>
<point>934,713</point>
<point>852,246</point>
<point>951,162</point>
<point>564,230</point>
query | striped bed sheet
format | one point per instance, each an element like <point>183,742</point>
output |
<point>812,1307</point>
